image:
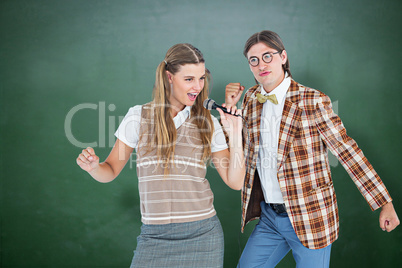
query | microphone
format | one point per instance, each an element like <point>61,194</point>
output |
<point>211,105</point>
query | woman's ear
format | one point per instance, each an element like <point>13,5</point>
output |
<point>169,76</point>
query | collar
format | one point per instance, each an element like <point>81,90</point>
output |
<point>187,110</point>
<point>281,90</point>
<point>182,116</point>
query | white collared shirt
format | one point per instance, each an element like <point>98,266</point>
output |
<point>129,128</point>
<point>271,116</point>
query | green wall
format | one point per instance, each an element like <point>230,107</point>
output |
<point>69,70</point>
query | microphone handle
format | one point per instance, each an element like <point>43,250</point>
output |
<point>225,110</point>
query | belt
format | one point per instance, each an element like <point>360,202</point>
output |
<point>278,208</point>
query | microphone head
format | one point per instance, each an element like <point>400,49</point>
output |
<point>209,104</point>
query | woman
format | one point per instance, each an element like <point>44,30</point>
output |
<point>174,137</point>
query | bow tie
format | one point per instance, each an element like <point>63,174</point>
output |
<point>263,98</point>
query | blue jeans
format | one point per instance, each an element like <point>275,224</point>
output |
<point>272,239</point>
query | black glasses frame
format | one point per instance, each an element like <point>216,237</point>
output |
<point>258,60</point>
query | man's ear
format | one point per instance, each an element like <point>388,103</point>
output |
<point>284,56</point>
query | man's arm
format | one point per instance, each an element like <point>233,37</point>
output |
<point>355,163</point>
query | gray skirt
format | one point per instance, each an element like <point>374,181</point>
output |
<point>189,244</point>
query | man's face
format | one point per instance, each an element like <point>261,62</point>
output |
<point>270,75</point>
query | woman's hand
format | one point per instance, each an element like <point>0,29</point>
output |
<point>108,170</point>
<point>88,160</point>
<point>233,126</point>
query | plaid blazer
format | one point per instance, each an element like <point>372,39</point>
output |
<point>308,128</point>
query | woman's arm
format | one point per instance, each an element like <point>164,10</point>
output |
<point>108,170</point>
<point>230,162</point>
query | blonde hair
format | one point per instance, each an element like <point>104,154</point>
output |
<point>164,130</point>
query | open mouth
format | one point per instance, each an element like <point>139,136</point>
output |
<point>192,96</point>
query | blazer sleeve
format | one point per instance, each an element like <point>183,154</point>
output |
<point>333,133</point>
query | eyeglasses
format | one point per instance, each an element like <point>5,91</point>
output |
<point>266,57</point>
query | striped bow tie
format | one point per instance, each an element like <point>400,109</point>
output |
<point>263,98</point>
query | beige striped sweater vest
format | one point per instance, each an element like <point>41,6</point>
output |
<point>182,195</point>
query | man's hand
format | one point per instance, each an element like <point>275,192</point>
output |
<point>388,218</point>
<point>233,94</point>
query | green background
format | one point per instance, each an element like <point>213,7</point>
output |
<point>57,57</point>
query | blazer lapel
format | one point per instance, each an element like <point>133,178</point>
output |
<point>290,123</point>
<point>254,121</point>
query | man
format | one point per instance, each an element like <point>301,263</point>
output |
<point>288,183</point>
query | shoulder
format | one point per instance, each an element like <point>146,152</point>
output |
<point>144,110</point>
<point>248,95</point>
<point>133,114</point>
<point>305,95</point>
<point>135,110</point>
<point>251,91</point>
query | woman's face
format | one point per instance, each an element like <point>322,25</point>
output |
<point>185,85</point>
<point>270,75</point>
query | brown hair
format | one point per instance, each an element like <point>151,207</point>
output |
<point>270,39</point>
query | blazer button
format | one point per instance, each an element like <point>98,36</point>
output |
<point>248,185</point>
